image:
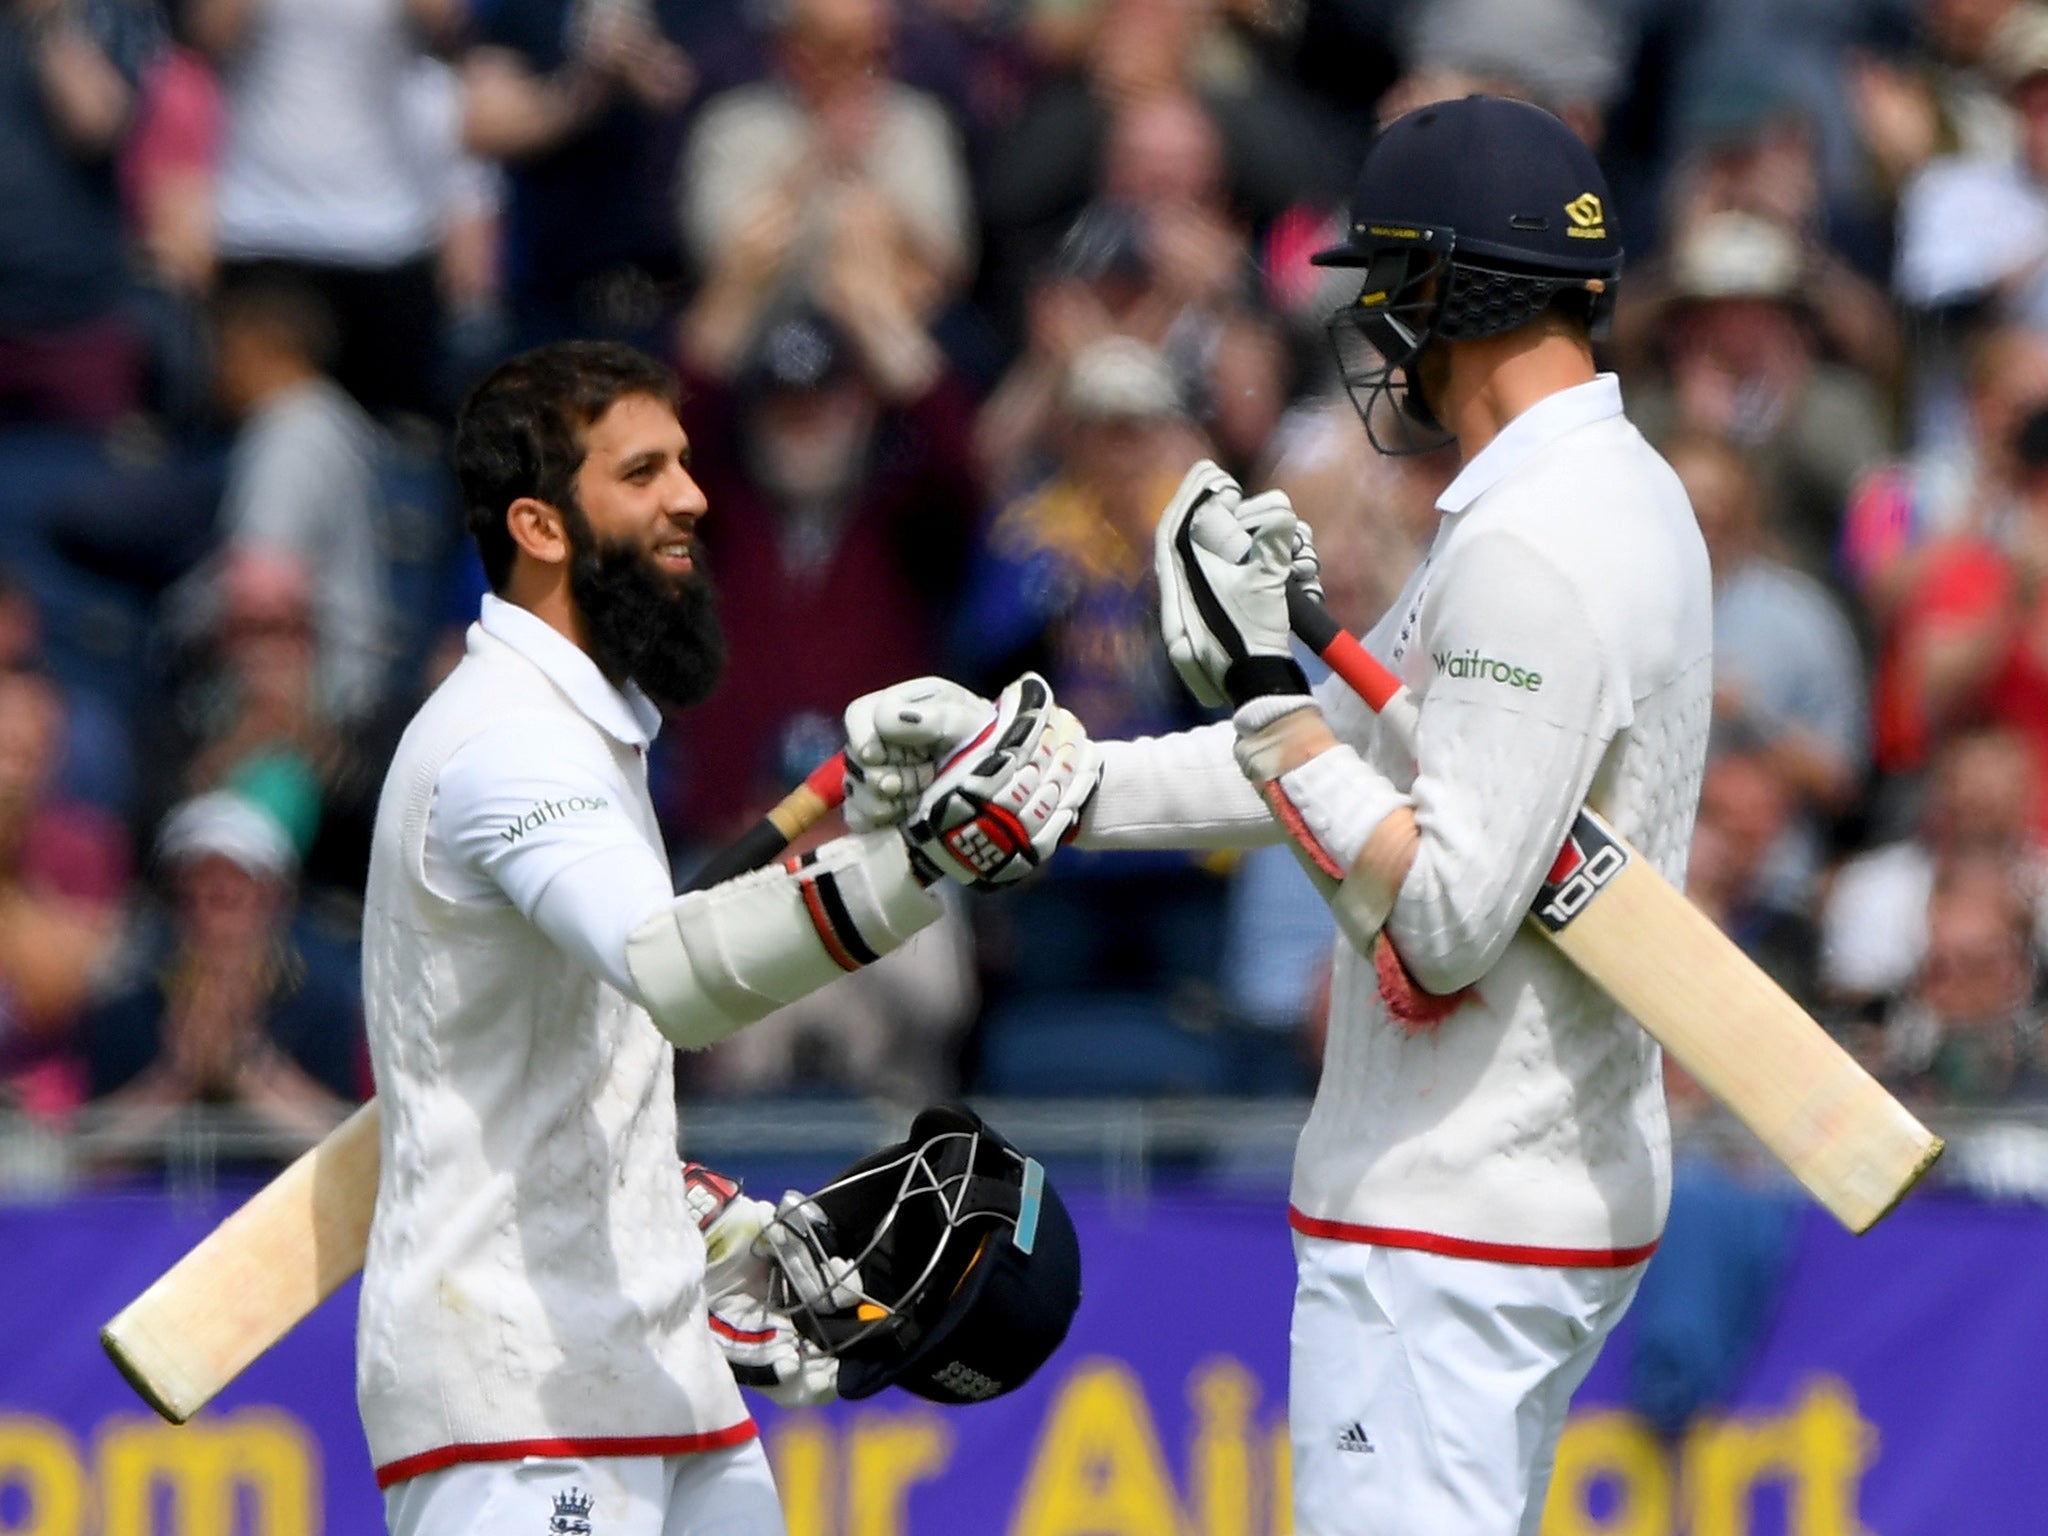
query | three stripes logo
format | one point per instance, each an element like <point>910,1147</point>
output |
<point>1352,1437</point>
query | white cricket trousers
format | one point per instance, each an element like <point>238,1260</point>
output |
<point>726,1492</point>
<point>1426,1394</point>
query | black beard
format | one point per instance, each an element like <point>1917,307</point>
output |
<point>642,623</point>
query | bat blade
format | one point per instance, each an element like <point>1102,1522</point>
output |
<point>254,1277</point>
<point>261,1272</point>
<point>1609,911</point>
<point>1743,1039</point>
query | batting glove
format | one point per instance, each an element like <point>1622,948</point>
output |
<point>1223,564</point>
<point>766,1252</point>
<point>766,1353</point>
<point>1304,566</point>
<point>1008,798</point>
<point>896,738</point>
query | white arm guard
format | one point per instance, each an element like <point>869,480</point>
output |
<point>715,960</point>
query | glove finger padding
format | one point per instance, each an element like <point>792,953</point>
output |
<point>766,1353</point>
<point>1001,807</point>
<point>924,718</point>
<point>1055,805</point>
<point>1305,567</point>
<point>732,1224</point>
<point>884,796</point>
<point>1191,644</point>
<point>1268,517</point>
<point>895,740</point>
<point>1223,563</point>
<point>811,1277</point>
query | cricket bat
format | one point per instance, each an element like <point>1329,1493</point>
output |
<point>264,1269</point>
<point>1605,907</point>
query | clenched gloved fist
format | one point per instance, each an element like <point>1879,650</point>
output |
<point>1006,800</point>
<point>757,1267</point>
<point>1305,566</point>
<point>752,1246</point>
<point>1223,563</point>
<point>896,738</point>
<point>765,1352</point>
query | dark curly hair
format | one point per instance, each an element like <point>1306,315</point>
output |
<point>520,433</point>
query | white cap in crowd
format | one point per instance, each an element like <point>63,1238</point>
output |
<point>229,826</point>
<point>1120,376</point>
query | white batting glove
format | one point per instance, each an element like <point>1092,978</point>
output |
<point>730,1223</point>
<point>766,1353</point>
<point>758,1261</point>
<point>752,1248</point>
<point>1001,807</point>
<point>896,737</point>
<point>810,1277</point>
<point>1223,563</point>
<point>1304,566</point>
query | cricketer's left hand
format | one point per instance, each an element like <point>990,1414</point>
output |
<point>896,737</point>
<point>1223,562</point>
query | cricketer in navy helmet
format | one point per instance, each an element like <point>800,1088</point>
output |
<point>553,1313</point>
<point>1486,1166</point>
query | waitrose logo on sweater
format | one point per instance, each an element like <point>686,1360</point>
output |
<point>1486,669</point>
<point>545,811</point>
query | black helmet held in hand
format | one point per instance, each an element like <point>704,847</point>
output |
<point>1470,218</point>
<point>970,1270</point>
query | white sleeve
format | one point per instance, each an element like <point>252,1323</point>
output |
<point>1513,726</point>
<point>1178,791</point>
<point>539,815</point>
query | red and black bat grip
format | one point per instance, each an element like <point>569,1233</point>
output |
<point>790,817</point>
<point>1361,671</point>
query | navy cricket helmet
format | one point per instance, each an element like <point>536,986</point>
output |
<point>1470,218</point>
<point>970,1270</point>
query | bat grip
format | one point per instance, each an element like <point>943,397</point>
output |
<point>1321,633</point>
<point>787,820</point>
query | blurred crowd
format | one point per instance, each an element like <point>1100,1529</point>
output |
<point>958,288</point>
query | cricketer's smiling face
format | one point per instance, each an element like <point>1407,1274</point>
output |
<point>634,488</point>
<point>635,565</point>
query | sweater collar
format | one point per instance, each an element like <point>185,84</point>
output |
<point>625,714</point>
<point>1529,434</point>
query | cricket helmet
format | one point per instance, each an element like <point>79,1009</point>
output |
<point>1470,218</point>
<point>970,1270</point>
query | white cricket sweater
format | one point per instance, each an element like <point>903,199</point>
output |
<point>534,1279</point>
<point>1530,1124</point>
<point>1559,637</point>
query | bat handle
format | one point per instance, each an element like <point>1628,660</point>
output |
<point>1359,668</point>
<point>787,820</point>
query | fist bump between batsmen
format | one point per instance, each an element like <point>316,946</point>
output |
<point>755,1255</point>
<point>1223,561</point>
<point>896,737</point>
<point>1001,805</point>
